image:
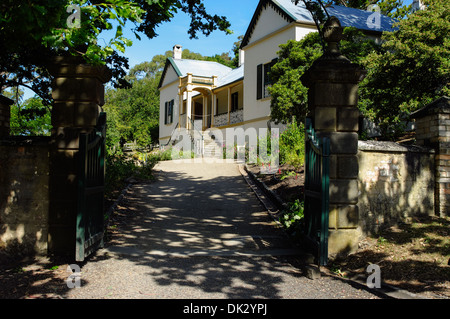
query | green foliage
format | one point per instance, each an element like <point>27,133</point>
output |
<point>292,218</point>
<point>120,167</point>
<point>133,114</point>
<point>29,118</point>
<point>292,145</point>
<point>411,71</point>
<point>287,174</point>
<point>32,32</point>
<point>289,96</point>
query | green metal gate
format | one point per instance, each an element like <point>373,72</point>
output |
<point>91,180</point>
<point>317,181</point>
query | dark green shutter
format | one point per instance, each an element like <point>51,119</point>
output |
<point>165,113</point>
<point>171,110</point>
<point>259,82</point>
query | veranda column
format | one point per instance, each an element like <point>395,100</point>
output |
<point>188,108</point>
<point>333,96</point>
<point>78,94</point>
<point>205,110</point>
<point>213,109</point>
<point>180,108</point>
<point>229,105</point>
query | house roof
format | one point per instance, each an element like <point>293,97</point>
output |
<point>232,76</point>
<point>348,17</point>
<point>197,67</point>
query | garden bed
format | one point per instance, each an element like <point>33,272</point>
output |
<point>414,256</point>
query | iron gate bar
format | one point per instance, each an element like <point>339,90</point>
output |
<point>316,194</point>
<point>91,179</point>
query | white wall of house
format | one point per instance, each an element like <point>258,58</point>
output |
<point>302,30</point>
<point>269,21</point>
<point>260,52</point>
<point>168,93</point>
<point>170,76</point>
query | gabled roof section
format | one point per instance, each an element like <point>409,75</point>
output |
<point>232,76</point>
<point>348,17</point>
<point>197,67</point>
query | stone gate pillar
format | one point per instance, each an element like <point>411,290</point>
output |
<point>433,130</point>
<point>78,94</point>
<point>5,116</point>
<point>333,96</point>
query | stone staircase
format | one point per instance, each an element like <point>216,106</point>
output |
<point>211,147</point>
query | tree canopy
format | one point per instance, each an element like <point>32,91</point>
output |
<point>289,95</point>
<point>412,70</point>
<point>408,70</point>
<point>31,32</point>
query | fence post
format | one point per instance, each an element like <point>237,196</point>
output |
<point>78,94</point>
<point>5,116</point>
<point>433,130</point>
<point>332,97</point>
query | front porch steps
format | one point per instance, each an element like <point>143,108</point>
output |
<point>211,147</point>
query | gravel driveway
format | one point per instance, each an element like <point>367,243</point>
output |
<point>199,232</point>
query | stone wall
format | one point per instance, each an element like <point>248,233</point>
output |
<point>24,198</point>
<point>433,130</point>
<point>395,183</point>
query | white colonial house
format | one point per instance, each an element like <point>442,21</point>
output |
<point>200,95</point>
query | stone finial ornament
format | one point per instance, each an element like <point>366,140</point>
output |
<point>333,34</point>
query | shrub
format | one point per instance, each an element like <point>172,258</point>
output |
<point>292,145</point>
<point>292,217</point>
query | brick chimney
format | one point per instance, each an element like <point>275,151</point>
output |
<point>177,52</point>
<point>418,5</point>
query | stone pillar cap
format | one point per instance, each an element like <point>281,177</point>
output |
<point>332,65</point>
<point>5,101</point>
<point>438,106</point>
<point>76,66</point>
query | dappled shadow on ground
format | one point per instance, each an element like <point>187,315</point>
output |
<point>182,215</point>
<point>192,212</point>
<point>34,278</point>
<point>414,256</point>
<point>201,234</point>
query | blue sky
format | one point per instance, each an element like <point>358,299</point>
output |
<point>238,12</point>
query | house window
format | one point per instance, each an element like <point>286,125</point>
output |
<point>168,112</point>
<point>234,102</point>
<point>263,79</point>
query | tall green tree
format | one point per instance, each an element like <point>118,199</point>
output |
<point>289,95</point>
<point>30,117</point>
<point>31,32</point>
<point>133,113</point>
<point>411,71</point>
